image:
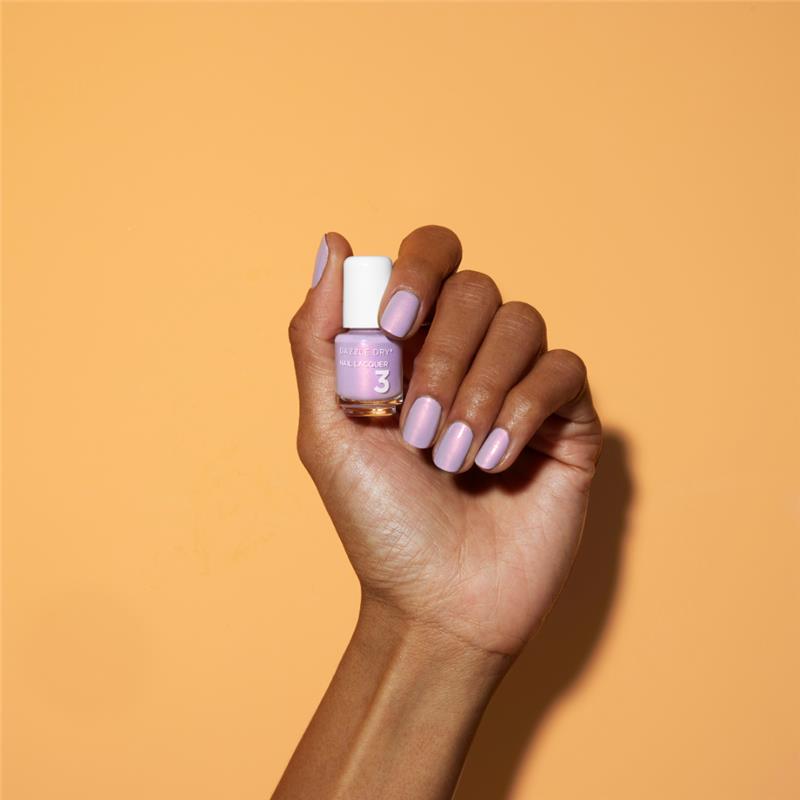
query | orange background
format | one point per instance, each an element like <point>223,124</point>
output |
<point>175,598</point>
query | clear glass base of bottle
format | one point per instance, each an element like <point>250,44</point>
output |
<point>371,408</point>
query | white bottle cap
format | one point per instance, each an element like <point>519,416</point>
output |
<point>365,281</point>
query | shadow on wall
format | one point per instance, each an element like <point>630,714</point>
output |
<point>552,661</point>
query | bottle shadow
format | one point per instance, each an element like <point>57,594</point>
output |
<point>565,644</point>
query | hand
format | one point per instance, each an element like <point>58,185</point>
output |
<point>480,555</point>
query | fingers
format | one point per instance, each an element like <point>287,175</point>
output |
<point>556,386</point>
<point>464,313</point>
<point>316,323</point>
<point>425,259</point>
<point>484,386</point>
<point>516,337</point>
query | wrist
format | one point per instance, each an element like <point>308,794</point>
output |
<point>383,633</point>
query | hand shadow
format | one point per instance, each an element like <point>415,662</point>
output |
<point>556,656</point>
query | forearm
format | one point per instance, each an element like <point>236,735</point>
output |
<point>398,716</point>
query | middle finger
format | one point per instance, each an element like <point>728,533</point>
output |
<point>464,311</point>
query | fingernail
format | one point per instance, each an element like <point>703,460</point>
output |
<point>493,449</point>
<point>400,313</point>
<point>321,260</point>
<point>452,449</point>
<point>422,421</point>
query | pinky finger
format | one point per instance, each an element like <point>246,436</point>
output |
<point>555,388</point>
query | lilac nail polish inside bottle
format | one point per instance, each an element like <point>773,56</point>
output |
<point>369,365</point>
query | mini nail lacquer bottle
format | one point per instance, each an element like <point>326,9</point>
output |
<point>369,366</point>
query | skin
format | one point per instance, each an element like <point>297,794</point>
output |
<point>457,571</point>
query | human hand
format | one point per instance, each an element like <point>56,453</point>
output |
<point>476,555</point>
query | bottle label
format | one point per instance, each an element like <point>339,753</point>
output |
<point>368,367</point>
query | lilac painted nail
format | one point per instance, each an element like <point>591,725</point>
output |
<point>493,449</point>
<point>451,451</point>
<point>321,260</point>
<point>400,313</point>
<point>422,421</point>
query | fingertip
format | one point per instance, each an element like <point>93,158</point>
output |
<point>400,314</point>
<point>450,452</point>
<point>332,251</point>
<point>338,244</point>
<point>320,261</point>
<point>421,422</point>
<point>321,310</point>
<point>493,449</point>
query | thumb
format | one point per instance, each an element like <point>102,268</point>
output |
<point>312,331</point>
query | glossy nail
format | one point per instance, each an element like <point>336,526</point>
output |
<point>400,313</point>
<point>452,449</point>
<point>320,261</point>
<point>493,449</point>
<point>422,421</point>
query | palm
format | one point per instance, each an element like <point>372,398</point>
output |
<point>480,555</point>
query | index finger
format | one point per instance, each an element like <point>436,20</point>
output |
<point>425,258</point>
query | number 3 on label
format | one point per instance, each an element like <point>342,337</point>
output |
<point>383,383</point>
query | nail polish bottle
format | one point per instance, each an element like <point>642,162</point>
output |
<point>369,365</point>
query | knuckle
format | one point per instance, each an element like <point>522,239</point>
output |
<point>523,316</point>
<point>571,364</point>
<point>523,322</point>
<point>446,235</point>
<point>470,284</point>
